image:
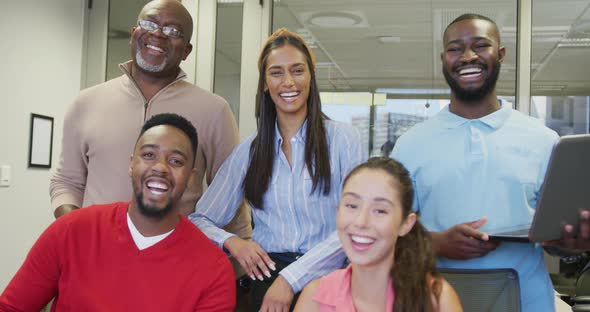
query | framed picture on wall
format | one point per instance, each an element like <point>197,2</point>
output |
<point>40,141</point>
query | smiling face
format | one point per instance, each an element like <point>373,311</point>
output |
<point>155,53</point>
<point>160,168</point>
<point>370,219</point>
<point>287,79</point>
<point>471,58</point>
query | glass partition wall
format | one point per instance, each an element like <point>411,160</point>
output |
<point>389,49</point>
<point>560,59</point>
<point>122,18</point>
<point>392,48</point>
<point>228,49</point>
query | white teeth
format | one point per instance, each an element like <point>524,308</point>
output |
<point>155,48</point>
<point>470,70</point>
<point>289,94</point>
<point>157,186</point>
<point>361,239</point>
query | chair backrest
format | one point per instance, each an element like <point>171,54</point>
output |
<point>487,290</point>
<point>582,287</point>
<point>581,296</point>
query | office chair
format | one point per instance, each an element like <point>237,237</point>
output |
<point>490,290</point>
<point>581,299</point>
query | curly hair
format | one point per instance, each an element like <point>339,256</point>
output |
<point>174,120</point>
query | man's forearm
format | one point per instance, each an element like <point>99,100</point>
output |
<point>63,209</point>
<point>437,243</point>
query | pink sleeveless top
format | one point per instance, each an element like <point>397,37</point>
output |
<point>333,294</point>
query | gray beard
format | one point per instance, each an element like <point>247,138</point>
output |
<point>141,63</point>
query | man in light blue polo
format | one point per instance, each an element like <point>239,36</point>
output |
<point>478,165</point>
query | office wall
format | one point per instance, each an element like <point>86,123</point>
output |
<point>41,69</point>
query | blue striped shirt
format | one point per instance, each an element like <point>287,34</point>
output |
<point>293,218</point>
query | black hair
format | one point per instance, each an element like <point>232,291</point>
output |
<point>472,16</point>
<point>176,121</point>
<point>262,149</point>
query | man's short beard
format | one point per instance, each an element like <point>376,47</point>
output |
<point>474,95</point>
<point>151,211</point>
<point>141,63</point>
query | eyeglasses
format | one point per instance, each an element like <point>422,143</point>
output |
<point>169,31</point>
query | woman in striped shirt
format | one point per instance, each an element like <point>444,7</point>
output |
<point>290,172</point>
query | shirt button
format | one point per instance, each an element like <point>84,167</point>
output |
<point>292,140</point>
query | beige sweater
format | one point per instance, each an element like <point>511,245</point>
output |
<point>102,125</point>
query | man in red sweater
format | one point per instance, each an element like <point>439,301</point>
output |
<point>131,256</point>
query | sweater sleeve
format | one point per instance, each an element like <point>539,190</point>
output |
<point>220,295</point>
<point>223,198</point>
<point>222,138</point>
<point>68,181</point>
<point>36,282</point>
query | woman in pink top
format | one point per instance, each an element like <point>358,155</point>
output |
<point>392,263</point>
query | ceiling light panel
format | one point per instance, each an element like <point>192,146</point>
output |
<point>335,19</point>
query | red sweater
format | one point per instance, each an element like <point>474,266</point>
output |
<point>88,260</point>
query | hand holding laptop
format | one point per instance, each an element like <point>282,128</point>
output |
<point>463,241</point>
<point>571,241</point>
<point>564,192</point>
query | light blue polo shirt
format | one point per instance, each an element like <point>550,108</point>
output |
<point>464,169</point>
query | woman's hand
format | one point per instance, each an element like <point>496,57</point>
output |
<point>253,259</point>
<point>278,297</point>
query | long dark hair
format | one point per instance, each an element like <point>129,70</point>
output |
<point>317,157</point>
<point>413,273</point>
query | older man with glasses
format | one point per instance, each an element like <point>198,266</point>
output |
<point>101,126</point>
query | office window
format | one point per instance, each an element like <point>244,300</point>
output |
<point>560,50</point>
<point>122,17</point>
<point>228,52</point>
<point>352,108</point>
<point>391,48</point>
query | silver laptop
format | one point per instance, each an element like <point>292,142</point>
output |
<point>566,190</point>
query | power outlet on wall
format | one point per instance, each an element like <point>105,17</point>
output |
<point>4,176</point>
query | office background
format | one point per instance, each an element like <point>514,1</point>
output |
<point>378,68</point>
